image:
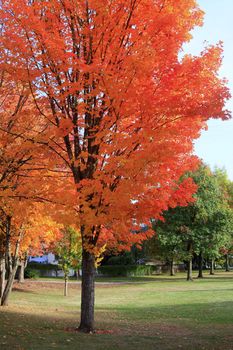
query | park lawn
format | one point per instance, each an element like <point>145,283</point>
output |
<point>145,313</point>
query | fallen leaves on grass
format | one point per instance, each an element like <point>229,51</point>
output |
<point>97,331</point>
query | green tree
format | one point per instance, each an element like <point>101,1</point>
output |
<point>227,187</point>
<point>69,251</point>
<point>202,227</point>
<point>168,243</point>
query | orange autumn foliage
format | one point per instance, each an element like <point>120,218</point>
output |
<point>24,175</point>
<point>41,233</point>
<point>122,107</point>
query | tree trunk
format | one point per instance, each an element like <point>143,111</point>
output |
<point>8,287</point>
<point>172,272</point>
<point>200,265</point>
<point>189,270</point>
<point>227,263</point>
<point>2,276</point>
<point>12,268</point>
<point>21,272</point>
<point>78,274</point>
<point>66,285</point>
<point>189,267</point>
<point>8,255</point>
<point>212,267</point>
<point>25,261</point>
<point>88,292</point>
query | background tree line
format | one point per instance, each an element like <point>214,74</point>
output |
<point>201,232</point>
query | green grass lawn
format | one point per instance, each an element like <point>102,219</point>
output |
<point>145,313</point>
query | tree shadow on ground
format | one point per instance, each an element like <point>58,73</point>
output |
<point>187,326</point>
<point>22,290</point>
<point>190,325</point>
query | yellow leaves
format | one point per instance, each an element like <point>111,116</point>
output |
<point>99,255</point>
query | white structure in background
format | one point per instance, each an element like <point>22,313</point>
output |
<point>49,259</point>
<point>44,259</point>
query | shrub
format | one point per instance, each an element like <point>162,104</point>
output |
<point>31,273</point>
<point>42,267</point>
<point>123,259</point>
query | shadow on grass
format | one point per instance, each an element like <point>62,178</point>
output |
<point>201,290</point>
<point>216,278</point>
<point>22,290</point>
<point>133,328</point>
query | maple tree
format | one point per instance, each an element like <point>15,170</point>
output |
<point>119,106</point>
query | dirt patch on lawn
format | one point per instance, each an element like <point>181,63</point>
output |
<point>34,286</point>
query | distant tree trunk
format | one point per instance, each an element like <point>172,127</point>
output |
<point>172,271</point>
<point>66,285</point>
<point>78,274</point>
<point>21,272</point>
<point>88,292</point>
<point>200,265</point>
<point>2,276</point>
<point>189,267</point>
<point>26,261</point>
<point>227,263</point>
<point>212,267</point>
<point>189,270</point>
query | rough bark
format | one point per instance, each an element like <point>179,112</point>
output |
<point>212,267</point>
<point>88,292</point>
<point>200,265</point>
<point>172,271</point>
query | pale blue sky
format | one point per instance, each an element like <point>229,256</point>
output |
<point>215,146</point>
